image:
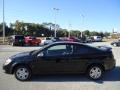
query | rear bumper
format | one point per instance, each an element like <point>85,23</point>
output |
<point>109,65</point>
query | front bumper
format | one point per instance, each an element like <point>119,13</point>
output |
<point>7,69</point>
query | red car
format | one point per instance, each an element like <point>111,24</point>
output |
<point>71,39</point>
<point>29,40</point>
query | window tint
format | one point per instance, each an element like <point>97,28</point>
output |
<point>59,50</point>
<point>57,47</point>
<point>81,49</point>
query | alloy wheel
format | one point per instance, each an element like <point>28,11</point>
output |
<point>22,73</point>
<point>95,72</point>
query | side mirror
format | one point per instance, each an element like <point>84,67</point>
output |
<point>40,54</point>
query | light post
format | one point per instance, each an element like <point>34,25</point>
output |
<point>83,24</point>
<point>69,32</point>
<point>3,24</point>
<point>13,27</point>
<point>55,9</point>
<point>26,28</point>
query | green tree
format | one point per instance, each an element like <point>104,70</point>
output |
<point>87,32</point>
<point>7,30</point>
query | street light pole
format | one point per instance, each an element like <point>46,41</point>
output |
<point>83,24</point>
<point>55,9</point>
<point>26,28</point>
<point>69,32</point>
<point>3,24</point>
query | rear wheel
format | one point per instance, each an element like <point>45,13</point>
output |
<point>22,73</point>
<point>95,72</point>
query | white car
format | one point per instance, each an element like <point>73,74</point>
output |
<point>46,40</point>
<point>97,38</point>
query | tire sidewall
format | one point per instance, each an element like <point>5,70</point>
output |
<point>89,69</point>
<point>29,76</point>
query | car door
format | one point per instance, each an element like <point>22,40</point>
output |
<point>52,59</point>
<point>65,59</point>
<point>81,55</point>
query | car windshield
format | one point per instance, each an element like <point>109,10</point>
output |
<point>48,38</point>
<point>36,51</point>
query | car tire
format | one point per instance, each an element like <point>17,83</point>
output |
<point>22,73</point>
<point>95,72</point>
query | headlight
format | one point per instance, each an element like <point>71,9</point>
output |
<point>7,61</point>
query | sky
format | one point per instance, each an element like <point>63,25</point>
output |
<point>93,15</point>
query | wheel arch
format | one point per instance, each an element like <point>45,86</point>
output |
<point>95,64</point>
<point>19,64</point>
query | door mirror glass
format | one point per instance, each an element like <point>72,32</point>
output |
<point>40,54</point>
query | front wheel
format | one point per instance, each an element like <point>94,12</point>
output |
<point>95,72</point>
<point>22,73</point>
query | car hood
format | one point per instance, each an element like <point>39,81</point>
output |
<point>115,41</point>
<point>21,56</point>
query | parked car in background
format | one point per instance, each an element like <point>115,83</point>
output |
<point>61,58</point>
<point>116,43</point>
<point>16,40</point>
<point>97,38</point>
<point>72,39</point>
<point>89,40</point>
<point>46,40</point>
<point>56,39</point>
<point>30,40</point>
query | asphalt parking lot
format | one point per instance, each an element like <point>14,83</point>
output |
<point>110,81</point>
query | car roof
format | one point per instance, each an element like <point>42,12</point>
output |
<point>67,42</point>
<point>73,43</point>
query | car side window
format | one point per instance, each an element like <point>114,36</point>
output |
<point>81,49</point>
<point>59,50</point>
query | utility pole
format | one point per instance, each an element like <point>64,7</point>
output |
<point>69,32</point>
<point>3,24</point>
<point>55,9</point>
<point>83,24</point>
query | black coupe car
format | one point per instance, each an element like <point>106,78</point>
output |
<point>59,58</point>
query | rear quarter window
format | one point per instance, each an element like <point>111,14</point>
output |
<point>81,49</point>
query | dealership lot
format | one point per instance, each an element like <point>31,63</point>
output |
<point>110,81</point>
